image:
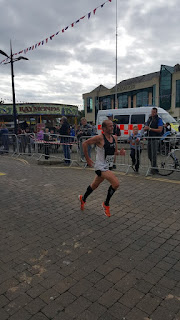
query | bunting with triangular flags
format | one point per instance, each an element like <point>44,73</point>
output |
<point>52,36</point>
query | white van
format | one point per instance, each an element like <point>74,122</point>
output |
<point>126,118</point>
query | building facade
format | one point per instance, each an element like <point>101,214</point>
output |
<point>161,89</point>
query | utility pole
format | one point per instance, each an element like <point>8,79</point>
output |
<point>11,61</point>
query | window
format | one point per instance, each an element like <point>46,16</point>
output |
<point>123,101</point>
<point>154,95</point>
<point>122,119</point>
<point>137,118</point>
<point>178,94</point>
<point>89,105</point>
<point>106,103</point>
<point>165,87</point>
<point>142,99</point>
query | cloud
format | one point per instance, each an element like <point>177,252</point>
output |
<point>83,57</point>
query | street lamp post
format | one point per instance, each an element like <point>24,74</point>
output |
<point>12,60</point>
<point>116,98</point>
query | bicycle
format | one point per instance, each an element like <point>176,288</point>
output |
<point>168,164</point>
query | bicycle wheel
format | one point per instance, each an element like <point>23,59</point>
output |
<point>166,165</point>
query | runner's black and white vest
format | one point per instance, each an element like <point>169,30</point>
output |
<point>105,155</point>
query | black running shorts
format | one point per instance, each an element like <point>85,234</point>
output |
<point>99,172</point>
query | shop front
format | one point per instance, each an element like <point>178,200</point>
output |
<point>47,114</point>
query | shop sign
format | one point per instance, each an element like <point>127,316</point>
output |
<point>124,88</point>
<point>33,109</point>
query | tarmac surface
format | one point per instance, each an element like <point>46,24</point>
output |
<point>57,262</point>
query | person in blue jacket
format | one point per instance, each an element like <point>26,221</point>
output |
<point>154,128</point>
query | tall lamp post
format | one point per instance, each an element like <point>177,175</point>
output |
<point>116,98</point>
<point>11,61</point>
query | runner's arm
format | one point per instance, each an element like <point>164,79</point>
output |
<point>94,140</point>
<point>118,152</point>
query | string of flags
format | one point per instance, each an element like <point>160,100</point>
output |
<point>45,41</point>
<point>8,101</point>
<point>5,100</point>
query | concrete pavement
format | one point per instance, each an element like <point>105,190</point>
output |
<point>57,262</point>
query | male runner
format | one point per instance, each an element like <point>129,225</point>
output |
<point>106,145</point>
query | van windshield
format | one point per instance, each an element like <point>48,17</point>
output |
<point>167,118</point>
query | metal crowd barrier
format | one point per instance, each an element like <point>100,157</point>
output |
<point>163,154</point>
<point>54,146</point>
<point>152,155</point>
<point>9,144</point>
<point>26,143</point>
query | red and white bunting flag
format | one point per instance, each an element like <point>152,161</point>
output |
<point>72,25</point>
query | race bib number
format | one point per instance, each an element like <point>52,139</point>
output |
<point>110,160</point>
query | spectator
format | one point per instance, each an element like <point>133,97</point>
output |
<point>40,134</point>
<point>94,129</point>
<point>72,134</point>
<point>78,137</point>
<point>83,133</point>
<point>116,129</point>
<point>24,125</point>
<point>5,138</point>
<point>134,140</point>
<point>154,127</point>
<point>46,144</point>
<point>116,132</point>
<point>167,127</point>
<point>65,131</point>
<point>22,142</point>
<point>28,139</point>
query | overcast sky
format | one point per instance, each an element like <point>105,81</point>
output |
<point>83,57</point>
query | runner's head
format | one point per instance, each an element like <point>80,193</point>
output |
<point>107,127</point>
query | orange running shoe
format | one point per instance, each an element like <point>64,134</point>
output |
<point>106,210</point>
<point>81,201</point>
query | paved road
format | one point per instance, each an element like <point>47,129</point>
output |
<point>59,263</point>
